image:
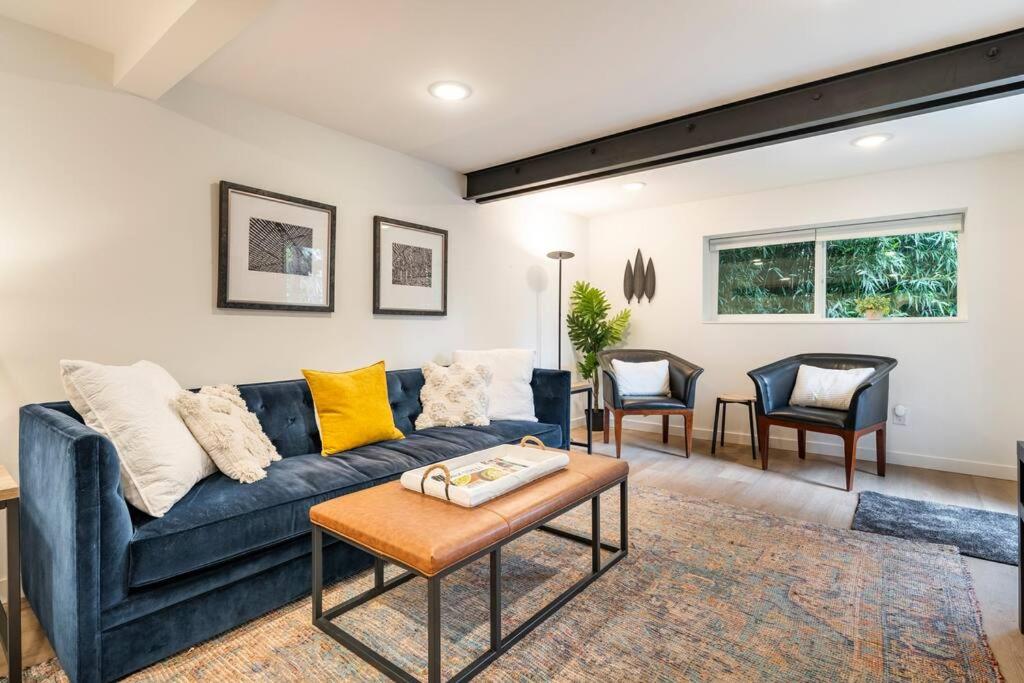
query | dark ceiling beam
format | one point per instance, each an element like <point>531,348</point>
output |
<point>950,77</point>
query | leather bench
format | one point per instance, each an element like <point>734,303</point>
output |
<point>431,538</point>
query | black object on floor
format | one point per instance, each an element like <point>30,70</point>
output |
<point>977,533</point>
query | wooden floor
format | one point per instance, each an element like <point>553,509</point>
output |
<point>811,490</point>
<point>814,490</point>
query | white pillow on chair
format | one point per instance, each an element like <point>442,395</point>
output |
<point>641,379</point>
<point>822,388</point>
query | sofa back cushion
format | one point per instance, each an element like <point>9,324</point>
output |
<point>285,409</point>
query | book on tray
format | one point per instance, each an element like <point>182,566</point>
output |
<point>484,475</point>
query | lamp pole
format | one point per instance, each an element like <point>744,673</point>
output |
<point>560,256</point>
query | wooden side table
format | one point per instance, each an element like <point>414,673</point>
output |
<point>10,618</point>
<point>723,402</point>
<point>588,388</point>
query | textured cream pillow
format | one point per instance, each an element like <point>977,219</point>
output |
<point>231,435</point>
<point>132,405</point>
<point>454,396</point>
<point>822,388</point>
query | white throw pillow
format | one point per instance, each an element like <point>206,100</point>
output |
<point>509,396</point>
<point>454,396</point>
<point>822,388</point>
<point>229,433</point>
<point>641,379</point>
<point>133,406</point>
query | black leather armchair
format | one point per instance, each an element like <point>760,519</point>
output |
<point>682,376</point>
<point>868,411</point>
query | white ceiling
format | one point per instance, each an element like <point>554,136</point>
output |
<point>547,73</point>
<point>962,133</point>
<point>114,26</point>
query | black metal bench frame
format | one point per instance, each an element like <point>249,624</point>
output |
<point>499,644</point>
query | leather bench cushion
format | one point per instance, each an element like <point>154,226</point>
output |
<point>221,519</point>
<point>430,535</point>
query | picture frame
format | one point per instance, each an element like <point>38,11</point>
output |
<point>276,252</point>
<point>410,268</point>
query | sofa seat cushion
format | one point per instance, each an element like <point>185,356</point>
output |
<point>221,519</point>
<point>822,416</point>
<point>511,431</point>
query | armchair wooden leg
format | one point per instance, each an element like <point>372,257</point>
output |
<point>607,419</point>
<point>880,450</point>
<point>850,452</point>
<point>801,443</point>
<point>618,433</point>
<point>688,428</point>
<point>762,441</point>
<point>664,428</point>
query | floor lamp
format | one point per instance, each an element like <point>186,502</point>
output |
<point>560,256</point>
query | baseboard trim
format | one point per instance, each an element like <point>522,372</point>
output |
<point>865,452</point>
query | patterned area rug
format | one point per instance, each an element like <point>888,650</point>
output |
<point>708,592</point>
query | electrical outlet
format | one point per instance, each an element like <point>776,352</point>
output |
<point>900,415</point>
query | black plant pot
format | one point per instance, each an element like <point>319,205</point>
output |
<point>596,419</point>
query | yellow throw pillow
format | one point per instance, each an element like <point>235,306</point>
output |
<point>352,407</point>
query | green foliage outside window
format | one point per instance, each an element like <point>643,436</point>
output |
<point>917,272</point>
<point>777,278</point>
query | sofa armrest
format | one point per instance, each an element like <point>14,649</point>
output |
<point>551,400</point>
<point>774,384</point>
<point>75,530</point>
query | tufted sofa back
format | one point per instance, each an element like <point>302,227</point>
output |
<point>285,409</point>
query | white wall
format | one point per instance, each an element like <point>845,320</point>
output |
<point>108,226</point>
<point>961,381</point>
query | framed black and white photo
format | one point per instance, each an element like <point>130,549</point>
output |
<point>410,268</point>
<point>276,251</point>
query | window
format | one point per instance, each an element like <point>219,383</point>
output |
<point>776,278</point>
<point>821,272</point>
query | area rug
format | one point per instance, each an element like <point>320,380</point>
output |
<point>977,533</point>
<point>708,592</point>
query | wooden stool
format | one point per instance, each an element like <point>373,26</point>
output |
<point>722,402</point>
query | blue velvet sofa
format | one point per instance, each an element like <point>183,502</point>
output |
<point>116,590</point>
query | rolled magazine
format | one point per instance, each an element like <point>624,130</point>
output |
<point>476,478</point>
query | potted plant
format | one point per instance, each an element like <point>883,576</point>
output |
<point>590,331</point>
<point>874,306</point>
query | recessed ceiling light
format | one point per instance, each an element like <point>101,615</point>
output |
<point>450,90</point>
<point>873,140</point>
<point>634,186</point>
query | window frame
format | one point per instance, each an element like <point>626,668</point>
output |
<point>710,272</point>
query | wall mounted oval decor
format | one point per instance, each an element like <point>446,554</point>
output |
<point>638,276</point>
<point>650,280</point>
<point>639,281</point>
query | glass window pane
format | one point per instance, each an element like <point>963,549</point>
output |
<point>917,272</point>
<point>773,279</point>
